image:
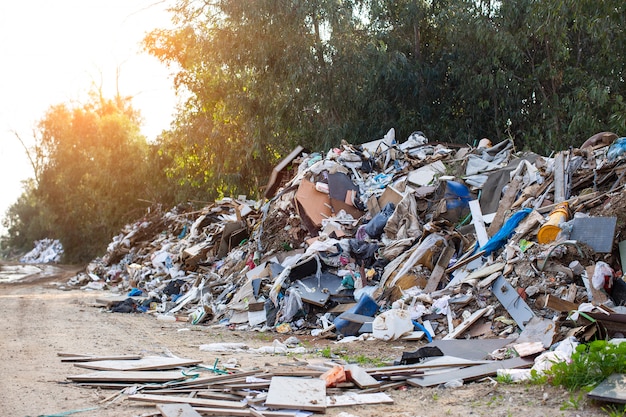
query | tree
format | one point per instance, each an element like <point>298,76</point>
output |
<point>92,181</point>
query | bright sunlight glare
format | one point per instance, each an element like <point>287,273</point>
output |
<point>54,52</point>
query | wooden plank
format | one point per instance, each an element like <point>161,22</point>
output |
<point>461,328</point>
<point>439,362</point>
<point>216,379</point>
<point>560,182</point>
<point>360,377</point>
<point>471,373</point>
<point>159,399</point>
<point>479,223</point>
<point>144,364</point>
<point>88,358</point>
<point>505,204</point>
<point>358,399</point>
<point>177,410</point>
<point>558,304</point>
<point>465,261</point>
<point>473,349</point>
<point>208,411</point>
<point>214,395</point>
<point>439,270</point>
<point>128,376</point>
<point>297,393</point>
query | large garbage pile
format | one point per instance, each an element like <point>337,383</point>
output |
<point>392,239</point>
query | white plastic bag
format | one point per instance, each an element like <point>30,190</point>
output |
<point>392,324</point>
<point>602,276</point>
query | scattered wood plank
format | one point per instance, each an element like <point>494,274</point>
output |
<point>89,358</point>
<point>504,206</point>
<point>465,261</point>
<point>215,379</point>
<point>471,373</point>
<point>177,410</point>
<point>360,377</point>
<point>479,222</point>
<point>160,399</point>
<point>128,376</point>
<point>209,411</point>
<point>144,364</point>
<point>440,362</point>
<point>297,393</point>
<point>440,269</point>
<point>558,304</point>
<point>461,328</point>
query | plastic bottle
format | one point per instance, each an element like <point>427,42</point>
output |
<point>550,230</point>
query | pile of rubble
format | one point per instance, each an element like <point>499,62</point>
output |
<point>45,251</point>
<point>391,239</point>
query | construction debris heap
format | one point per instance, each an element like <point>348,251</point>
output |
<point>413,239</point>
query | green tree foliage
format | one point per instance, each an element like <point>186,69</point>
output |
<point>96,177</point>
<point>260,77</point>
<point>266,75</point>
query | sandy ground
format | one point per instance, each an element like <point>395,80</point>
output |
<point>39,321</point>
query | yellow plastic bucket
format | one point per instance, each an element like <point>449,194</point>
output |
<point>550,230</point>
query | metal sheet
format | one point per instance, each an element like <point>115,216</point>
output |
<point>511,300</point>
<point>597,232</point>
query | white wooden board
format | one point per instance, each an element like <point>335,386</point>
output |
<point>297,393</point>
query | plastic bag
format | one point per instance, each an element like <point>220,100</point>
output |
<point>392,324</point>
<point>602,276</point>
<point>292,304</point>
<point>617,149</point>
<point>376,226</point>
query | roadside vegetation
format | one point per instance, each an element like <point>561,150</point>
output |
<point>258,78</point>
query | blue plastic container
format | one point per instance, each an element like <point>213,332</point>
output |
<point>366,306</point>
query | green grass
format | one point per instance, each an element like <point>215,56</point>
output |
<point>574,403</point>
<point>504,379</point>
<point>615,410</point>
<point>590,364</point>
<point>326,352</point>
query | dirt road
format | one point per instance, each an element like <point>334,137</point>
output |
<point>39,321</point>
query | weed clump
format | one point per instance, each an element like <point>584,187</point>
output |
<point>590,364</point>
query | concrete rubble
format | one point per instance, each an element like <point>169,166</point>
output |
<point>394,239</point>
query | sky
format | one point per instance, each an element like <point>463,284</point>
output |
<point>54,52</point>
